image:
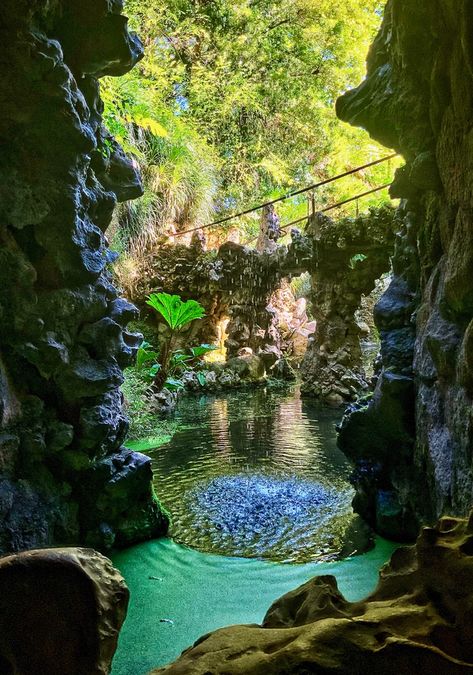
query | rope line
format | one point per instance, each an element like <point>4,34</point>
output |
<point>287,196</point>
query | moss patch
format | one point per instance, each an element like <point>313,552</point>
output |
<point>147,429</point>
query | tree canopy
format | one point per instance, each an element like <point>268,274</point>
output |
<point>234,103</point>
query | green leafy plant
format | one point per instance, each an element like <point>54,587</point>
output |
<point>177,314</point>
<point>201,350</point>
<point>201,379</point>
<point>180,361</point>
<point>174,384</point>
<point>145,355</point>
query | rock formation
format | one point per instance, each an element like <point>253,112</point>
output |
<point>412,444</point>
<point>345,259</point>
<point>60,612</point>
<point>64,476</point>
<point>419,619</point>
<point>349,257</point>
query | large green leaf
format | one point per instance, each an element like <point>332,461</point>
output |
<point>201,379</point>
<point>189,311</point>
<point>201,350</point>
<point>174,311</point>
<point>154,370</point>
<point>355,259</point>
<point>179,359</point>
<point>173,384</point>
<point>145,355</point>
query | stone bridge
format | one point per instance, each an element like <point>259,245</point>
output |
<point>345,258</point>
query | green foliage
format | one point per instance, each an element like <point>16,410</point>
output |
<point>176,313</point>
<point>301,286</point>
<point>355,259</point>
<point>178,167</point>
<point>144,424</point>
<point>145,354</point>
<point>173,384</point>
<point>201,379</point>
<point>202,350</point>
<point>179,361</point>
<point>234,104</point>
<point>163,367</point>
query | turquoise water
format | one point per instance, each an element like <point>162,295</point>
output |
<point>200,592</point>
<point>258,488</point>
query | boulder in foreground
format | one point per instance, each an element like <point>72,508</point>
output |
<point>61,611</point>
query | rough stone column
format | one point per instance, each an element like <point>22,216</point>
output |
<point>349,256</point>
<point>270,230</point>
<point>248,278</point>
<point>64,475</point>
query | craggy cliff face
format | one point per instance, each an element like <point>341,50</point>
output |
<point>412,445</point>
<point>64,476</point>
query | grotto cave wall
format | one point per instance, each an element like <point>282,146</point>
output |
<point>412,445</point>
<point>64,475</point>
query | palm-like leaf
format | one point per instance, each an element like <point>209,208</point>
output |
<point>174,311</point>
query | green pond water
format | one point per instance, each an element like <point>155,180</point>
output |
<point>260,500</point>
<point>200,592</point>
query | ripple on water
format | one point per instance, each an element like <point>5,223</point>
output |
<point>257,515</point>
<point>256,474</point>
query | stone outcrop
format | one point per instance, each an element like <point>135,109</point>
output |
<point>419,619</point>
<point>233,282</point>
<point>64,476</point>
<point>349,257</point>
<point>250,278</point>
<point>344,258</point>
<point>412,444</point>
<point>60,612</point>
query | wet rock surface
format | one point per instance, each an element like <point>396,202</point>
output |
<point>418,619</point>
<point>416,99</point>
<point>63,336</point>
<point>60,612</point>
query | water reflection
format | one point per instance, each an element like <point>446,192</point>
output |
<point>256,474</point>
